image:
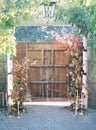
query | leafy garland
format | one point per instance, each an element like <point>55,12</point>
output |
<point>19,84</point>
<point>74,48</point>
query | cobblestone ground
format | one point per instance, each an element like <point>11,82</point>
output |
<point>49,118</point>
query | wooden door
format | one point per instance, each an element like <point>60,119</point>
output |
<point>47,78</point>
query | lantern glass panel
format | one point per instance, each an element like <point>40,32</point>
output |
<point>48,10</point>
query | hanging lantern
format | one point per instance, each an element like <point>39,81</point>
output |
<point>48,9</point>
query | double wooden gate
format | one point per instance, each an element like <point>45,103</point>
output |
<point>47,76</point>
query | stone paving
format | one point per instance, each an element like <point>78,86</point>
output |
<point>40,117</point>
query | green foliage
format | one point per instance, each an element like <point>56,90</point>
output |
<point>47,2</point>
<point>11,13</point>
<point>91,42</point>
<point>7,43</point>
<point>60,13</point>
<point>81,14</point>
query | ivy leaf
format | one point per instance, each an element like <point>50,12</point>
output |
<point>94,46</point>
<point>91,42</point>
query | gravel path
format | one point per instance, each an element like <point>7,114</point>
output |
<point>49,118</point>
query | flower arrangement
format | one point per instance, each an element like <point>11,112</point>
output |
<point>19,83</point>
<point>74,47</point>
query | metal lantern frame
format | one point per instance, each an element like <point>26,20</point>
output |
<point>48,9</point>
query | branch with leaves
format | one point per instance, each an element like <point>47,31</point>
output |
<point>80,14</point>
<point>11,14</point>
<point>74,47</point>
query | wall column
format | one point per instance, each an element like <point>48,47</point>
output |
<point>84,86</point>
<point>9,77</point>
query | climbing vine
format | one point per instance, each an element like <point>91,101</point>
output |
<point>74,48</point>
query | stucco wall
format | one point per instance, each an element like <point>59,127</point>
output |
<point>36,20</point>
